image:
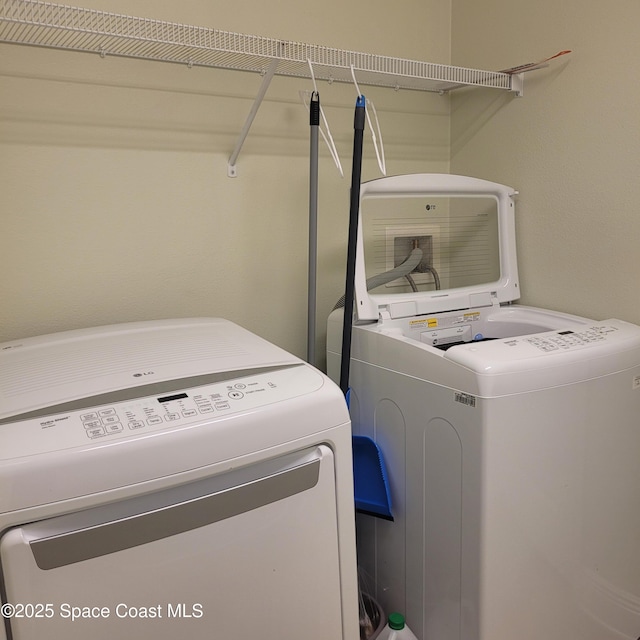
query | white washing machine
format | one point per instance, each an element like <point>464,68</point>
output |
<point>512,455</point>
<point>178,478</point>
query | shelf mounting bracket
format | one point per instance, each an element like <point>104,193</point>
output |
<point>517,84</point>
<point>266,81</point>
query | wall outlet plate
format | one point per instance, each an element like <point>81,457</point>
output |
<point>401,239</point>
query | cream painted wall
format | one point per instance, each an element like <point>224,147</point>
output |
<point>114,197</point>
<point>571,145</point>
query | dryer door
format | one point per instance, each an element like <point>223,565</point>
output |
<point>232,556</point>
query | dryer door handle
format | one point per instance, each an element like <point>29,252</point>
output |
<point>62,548</point>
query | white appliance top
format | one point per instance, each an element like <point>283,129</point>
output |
<point>604,341</point>
<point>88,411</point>
<point>46,371</point>
<point>465,228</point>
<point>501,351</point>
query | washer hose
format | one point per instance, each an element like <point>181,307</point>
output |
<point>401,271</point>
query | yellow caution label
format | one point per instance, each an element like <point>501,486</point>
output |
<point>424,323</point>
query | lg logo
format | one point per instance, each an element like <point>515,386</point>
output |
<point>144,373</point>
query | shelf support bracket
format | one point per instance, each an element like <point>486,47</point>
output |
<point>266,81</point>
<point>517,84</point>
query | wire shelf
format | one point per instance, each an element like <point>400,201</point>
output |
<point>46,24</point>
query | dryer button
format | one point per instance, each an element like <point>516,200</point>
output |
<point>205,408</point>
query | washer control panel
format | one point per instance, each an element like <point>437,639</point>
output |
<point>608,341</point>
<point>565,340</point>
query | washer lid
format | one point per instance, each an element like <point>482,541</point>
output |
<point>429,243</point>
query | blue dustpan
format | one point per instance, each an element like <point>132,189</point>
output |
<point>371,485</point>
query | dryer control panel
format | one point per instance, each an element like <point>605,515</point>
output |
<point>180,407</point>
<point>113,418</point>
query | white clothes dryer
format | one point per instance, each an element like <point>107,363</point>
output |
<point>510,434</point>
<point>177,478</point>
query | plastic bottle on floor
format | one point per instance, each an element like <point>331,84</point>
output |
<point>396,629</point>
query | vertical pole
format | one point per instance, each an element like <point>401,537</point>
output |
<point>314,122</point>
<point>354,210</point>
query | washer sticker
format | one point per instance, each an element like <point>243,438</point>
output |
<point>465,398</point>
<point>422,323</point>
<point>471,317</point>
